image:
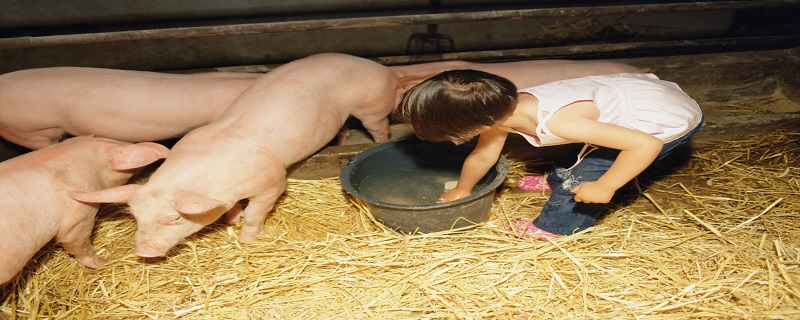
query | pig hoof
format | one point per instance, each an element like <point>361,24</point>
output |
<point>92,262</point>
<point>250,233</point>
<point>247,237</point>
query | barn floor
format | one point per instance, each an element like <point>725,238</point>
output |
<point>713,234</point>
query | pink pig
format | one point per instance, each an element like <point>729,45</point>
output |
<point>38,107</point>
<point>35,203</point>
<point>524,74</point>
<point>286,116</point>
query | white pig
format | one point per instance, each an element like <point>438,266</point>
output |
<point>38,107</point>
<point>35,203</point>
<point>523,74</point>
<point>286,116</point>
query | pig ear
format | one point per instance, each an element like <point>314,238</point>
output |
<point>112,195</point>
<point>190,202</point>
<point>137,155</point>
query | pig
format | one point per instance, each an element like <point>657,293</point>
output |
<point>36,205</point>
<point>39,107</point>
<point>285,116</point>
<point>524,74</point>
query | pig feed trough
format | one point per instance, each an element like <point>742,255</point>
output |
<point>400,182</point>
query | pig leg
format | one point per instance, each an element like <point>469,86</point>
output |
<point>378,128</point>
<point>76,241</point>
<point>234,214</point>
<point>342,136</point>
<point>255,214</point>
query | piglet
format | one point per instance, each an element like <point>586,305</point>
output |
<point>284,117</point>
<point>35,203</point>
<point>38,107</point>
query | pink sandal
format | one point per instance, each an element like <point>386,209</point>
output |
<point>535,183</point>
<point>526,229</point>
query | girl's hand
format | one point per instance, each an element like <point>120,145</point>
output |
<point>453,194</point>
<point>593,192</point>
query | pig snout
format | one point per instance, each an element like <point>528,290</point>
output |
<point>147,251</point>
<point>150,246</point>
<point>164,222</point>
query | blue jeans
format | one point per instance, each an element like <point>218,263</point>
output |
<point>561,214</point>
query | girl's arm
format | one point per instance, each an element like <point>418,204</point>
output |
<point>477,164</point>
<point>638,150</point>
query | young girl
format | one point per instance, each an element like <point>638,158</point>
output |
<point>621,123</point>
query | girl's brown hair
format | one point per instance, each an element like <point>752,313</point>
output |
<point>456,105</point>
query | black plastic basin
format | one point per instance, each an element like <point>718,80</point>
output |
<point>400,181</point>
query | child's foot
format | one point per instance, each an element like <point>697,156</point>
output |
<point>535,183</point>
<point>526,229</point>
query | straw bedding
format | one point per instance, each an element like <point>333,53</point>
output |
<point>716,237</point>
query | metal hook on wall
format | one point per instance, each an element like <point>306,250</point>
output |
<point>430,41</point>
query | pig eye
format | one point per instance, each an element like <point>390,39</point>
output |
<point>175,219</point>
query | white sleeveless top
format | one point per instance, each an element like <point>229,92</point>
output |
<point>638,101</point>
